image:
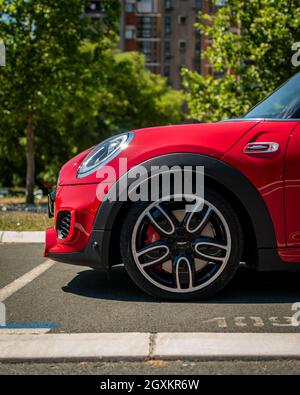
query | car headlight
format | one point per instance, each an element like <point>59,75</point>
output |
<point>104,153</point>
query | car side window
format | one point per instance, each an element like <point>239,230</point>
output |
<point>284,103</point>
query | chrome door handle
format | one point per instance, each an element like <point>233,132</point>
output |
<point>261,148</point>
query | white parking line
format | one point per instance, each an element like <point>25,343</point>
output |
<point>20,282</point>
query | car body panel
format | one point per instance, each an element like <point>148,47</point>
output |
<point>292,192</point>
<point>83,196</point>
<point>290,255</point>
<point>212,139</point>
<point>266,171</point>
<point>222,141</point>
<point>82,201</point>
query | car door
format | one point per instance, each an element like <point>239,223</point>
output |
<point>266,170</point>
<point>292,193</point>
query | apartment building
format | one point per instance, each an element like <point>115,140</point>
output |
<point>141,30</point>
<point>163,30</point>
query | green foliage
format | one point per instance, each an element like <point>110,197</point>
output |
<point>114,94</point>
<point>63,71</point>
<point>251,52</point>
<point>44,61</point>
<point>138,98</point>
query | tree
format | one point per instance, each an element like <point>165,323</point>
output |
<point>66,87</point>
<point>251,51</point>
<point>115,93</point>
<point>43,39</point>
<point>137,97</point>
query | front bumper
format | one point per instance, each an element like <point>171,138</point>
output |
<point>95,254</point>
<point>83,245</point>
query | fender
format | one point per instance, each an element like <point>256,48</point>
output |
<point>221,173</point>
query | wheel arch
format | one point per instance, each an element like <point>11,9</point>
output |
<point>250,247</point>
<point>229,182</point>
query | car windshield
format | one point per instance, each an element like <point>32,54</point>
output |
<point>284,103</point>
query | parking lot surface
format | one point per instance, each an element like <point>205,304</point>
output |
<point>81,300</point>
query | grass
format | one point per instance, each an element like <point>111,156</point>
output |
<point>19,221</point>
<point>7,200</point>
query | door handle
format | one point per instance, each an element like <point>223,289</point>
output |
<point>260,148</point>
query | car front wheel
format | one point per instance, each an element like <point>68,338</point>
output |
<point>177,253</point>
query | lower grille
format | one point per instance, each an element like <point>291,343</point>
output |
<point>63,223</point>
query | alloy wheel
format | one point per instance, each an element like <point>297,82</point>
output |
<point>179,250</point>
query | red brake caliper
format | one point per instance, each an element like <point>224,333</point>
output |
<point>151,237</point>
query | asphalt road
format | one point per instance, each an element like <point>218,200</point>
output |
<point>156,368</point>
<point>81,300</point>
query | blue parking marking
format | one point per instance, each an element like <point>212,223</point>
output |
<point>29,325</point>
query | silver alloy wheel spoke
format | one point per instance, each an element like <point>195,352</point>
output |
<point>152,248</point>
<point>169,217</point>
<point>208,257</point>
<point>179,251</point>
<point>202,223</point>
<point>176,272</point>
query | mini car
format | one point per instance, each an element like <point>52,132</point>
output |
<point>249,212</point>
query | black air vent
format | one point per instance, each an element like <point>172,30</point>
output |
<point>63,224</point>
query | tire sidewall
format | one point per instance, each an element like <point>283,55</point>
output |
<point>220,282</point>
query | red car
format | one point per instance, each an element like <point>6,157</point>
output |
<point>250,212</point>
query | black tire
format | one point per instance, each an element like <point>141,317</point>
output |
<point>219,283</point>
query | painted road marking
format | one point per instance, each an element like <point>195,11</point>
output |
<point>257,321</point>
<point>20,282</point>
<point>144,346</point>
<point>253,321</point>
<point>30,325</point>
<point>27,328</point>
<point>286,321</point>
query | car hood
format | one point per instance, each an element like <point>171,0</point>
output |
<point>212,139</point>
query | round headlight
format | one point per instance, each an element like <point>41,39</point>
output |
<point>103,153</point>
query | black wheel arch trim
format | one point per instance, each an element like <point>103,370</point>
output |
<point>220,172</point>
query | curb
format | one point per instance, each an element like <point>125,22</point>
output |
<point>227,346</point>
<point>72,347</point>
<point>146,346</point>
<point>22,237</point>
